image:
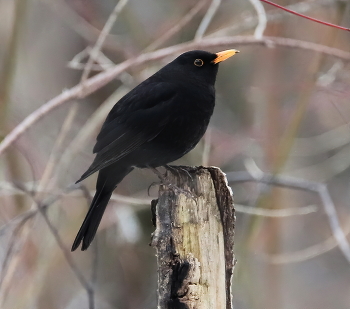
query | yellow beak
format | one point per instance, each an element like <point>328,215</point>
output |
<point>221,56</point>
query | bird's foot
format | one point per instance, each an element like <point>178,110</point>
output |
<point>166,182</point>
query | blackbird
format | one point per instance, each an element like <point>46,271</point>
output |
<point>157,122</point>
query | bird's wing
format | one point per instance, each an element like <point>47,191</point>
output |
<point>136,119</point>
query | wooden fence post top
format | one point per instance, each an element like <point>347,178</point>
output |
<point>194,239</point>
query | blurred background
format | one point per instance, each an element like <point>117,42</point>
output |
<point>281,110</point>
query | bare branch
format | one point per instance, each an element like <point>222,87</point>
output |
<point>88,129</point>
<point>307,17</point>
<point>250,22</point>
<point>338,233</point>
<point>301,184</point>
<point>307,253</point>
<point>54,157</point>
<point>102,62</point>
<point>86,285</point>
<point>326,141</point>
<point>35,189</point>
<point>275,213</point>
<point>262,19</point>
<point>207,19</point>
<point>179,25</point>
<point>10,252</point>
<point>80,25</point>
<point>327,169</point>
<point>102,37</point>
<point>20,220</point>
<point>100,80</point>
<point>281,181</point>
<point>23,217</point>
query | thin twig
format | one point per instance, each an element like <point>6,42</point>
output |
<point>55,197</point>
<point>326,141</point>
<point>207,19</point>
<point>11,250</point>
<point>327,169</point>
<point>80,25</point>
<point>301,184</point>
<point>307,17</point>
<point>101,79</point>
<point>177,27</point>
<point>86,285</point>
<point>43,185</point>
<point>102,37</point>
<point>54,155</point>
<point>34,189</point>
<point>307,253</point>
<point>88,129</point>
<point>262,19</point>
<point>102,62</point>
<point>250,22</point>
<point>281,181</point>
<point>275,213</point>
<point>21,219</point>
<point>331,212</point>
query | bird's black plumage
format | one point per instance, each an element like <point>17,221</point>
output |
<point>156,123</point>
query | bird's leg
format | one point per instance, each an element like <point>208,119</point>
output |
<point>170,185</point>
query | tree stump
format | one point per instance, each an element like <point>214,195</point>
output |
<point>194,239</point>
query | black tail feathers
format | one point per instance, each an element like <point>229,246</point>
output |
<point>92,220</point>
<point>106,183</point>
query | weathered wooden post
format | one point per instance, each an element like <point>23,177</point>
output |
<point>194,240</point>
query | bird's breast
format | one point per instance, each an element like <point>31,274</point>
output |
<point>187,122</point>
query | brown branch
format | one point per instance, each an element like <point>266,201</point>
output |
<point>248,22</point>
<point>10,255</point>
<point>306,17</point>
<point>275,213</point>
<point>66,253</point>
<point>209,15</point>
<point>100,80</point>
<point>176,28</point>
<point>301,184</point>
<point>307,253</point>
<point>102,37</point>
<point>80,25</point>
<point>41,208</point>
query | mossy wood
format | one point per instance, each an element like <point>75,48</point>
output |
<point>194,239</point>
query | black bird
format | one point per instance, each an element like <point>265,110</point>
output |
<point>157,122</point>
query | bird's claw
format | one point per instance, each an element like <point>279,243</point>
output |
<point>151,185</point>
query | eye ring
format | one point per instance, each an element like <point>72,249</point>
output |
<point>198,62</point>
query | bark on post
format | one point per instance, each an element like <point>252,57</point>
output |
<point>194,240</point>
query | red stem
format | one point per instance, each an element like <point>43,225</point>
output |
<point>304,16</point>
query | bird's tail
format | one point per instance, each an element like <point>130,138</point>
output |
<point>107,181</point>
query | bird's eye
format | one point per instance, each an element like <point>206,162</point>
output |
<point>198,62</point>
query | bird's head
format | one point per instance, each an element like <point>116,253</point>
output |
<point>201,65</point>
